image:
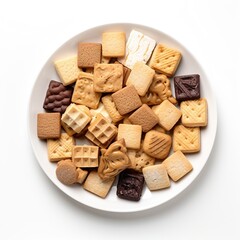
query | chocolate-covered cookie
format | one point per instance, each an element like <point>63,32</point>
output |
<point>187,87</point>
<point>130,185</point>
<point>58,97</point>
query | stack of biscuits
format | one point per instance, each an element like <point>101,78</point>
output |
<point>117,95</point>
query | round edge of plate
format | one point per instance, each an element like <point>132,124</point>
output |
<point>149,199</point>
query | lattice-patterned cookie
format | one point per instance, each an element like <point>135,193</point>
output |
<point>186,139</point>
<point>102,129</point>
<point>165,60</point>
<point>194,113</point>
<point>85,156</point>
<point>61,148</point>
<point>177,165</point>
<point>76,118</point>
<point>84,93</point>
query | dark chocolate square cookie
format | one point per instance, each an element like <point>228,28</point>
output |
<point>130,185</point>
<point>58,97</point>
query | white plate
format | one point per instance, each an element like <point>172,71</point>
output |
<point>112,203</point>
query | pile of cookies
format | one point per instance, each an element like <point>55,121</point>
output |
<point>117,95</point>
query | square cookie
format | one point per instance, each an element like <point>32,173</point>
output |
<point>168,114</point>
<point>113,44</point>
<point>187,87</point>
<point>58,97</point>
<point>126,99</point>
<point>48,125</point>
<point>145,117</point>
<point>67,70</point>
<point>130,185</point>
<point>139,48</point>
<point>85,156</point>
<point>89,54</point>
<point>96,185</point>
<point>187,140</point>
<point>141,77</point>
<point>76,117</point>
<point>165,60</point>
<point>132,135</point>
<point>59,149</point>
<point>84,93</point>
<point>156,177</point>
<point>194,113</point>
<point>108,77</point>
<point>177,165</point>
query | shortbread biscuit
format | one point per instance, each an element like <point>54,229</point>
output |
<point>168,114</point>
<point>111,108</point>
<point>102,129</point>
<point>84,92</point>
<point>187,140</point>
<point>48,125</point>
<point>67,129</point>
<point>76,118</point>
<point>66,172</point>
<point>58,97</point>
<point>85,156</point>
<point>127,100</point>
<point>131,134</point>
<point>113,160</point>
<point>139,159</point>
<point>159,90</point>
<point>59,149</point>
<point>177,165</point>
<point>96,185</point>
<point>141,77</point>
<point>82,175</point>
<point>156,144</point>
<point>67,70</point>
<point>139,48</point>
<point>194,113</point>
<point>165,60</point>
<point>156,177</point>
<point>145,117</point>
<point>108,77</point>
<point>113,44</point>
<point>101,109</point>
<point>89,54</point>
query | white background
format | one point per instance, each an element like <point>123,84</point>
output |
<point>31,207</point>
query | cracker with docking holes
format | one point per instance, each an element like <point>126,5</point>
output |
<point>177,165</point>
<point>85,156</point>
<point>107,77</point>
<point>131,134</point>
<point>61,148</point>
<point>167,113</point>
<point>96,185</point>
<point>48,125</point>
<point>102,129</point>
<point>159,90</point>
<point>67,70</point>
<point>76,118</point>
<point>194,113</point>
<point>145,117</point>
<point>187,140</point>
<point>139,48</point>
<point>156,177</point>
<point>156,144</point>
<point>111,108</point>
<point>165,60</point>
<point>113,160</point>
<point>66,172</point>
<point>141,77</point>
<point>89,54</point>
<point>113,44</point>
<point>127,100</point>
<point>84,93</point>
